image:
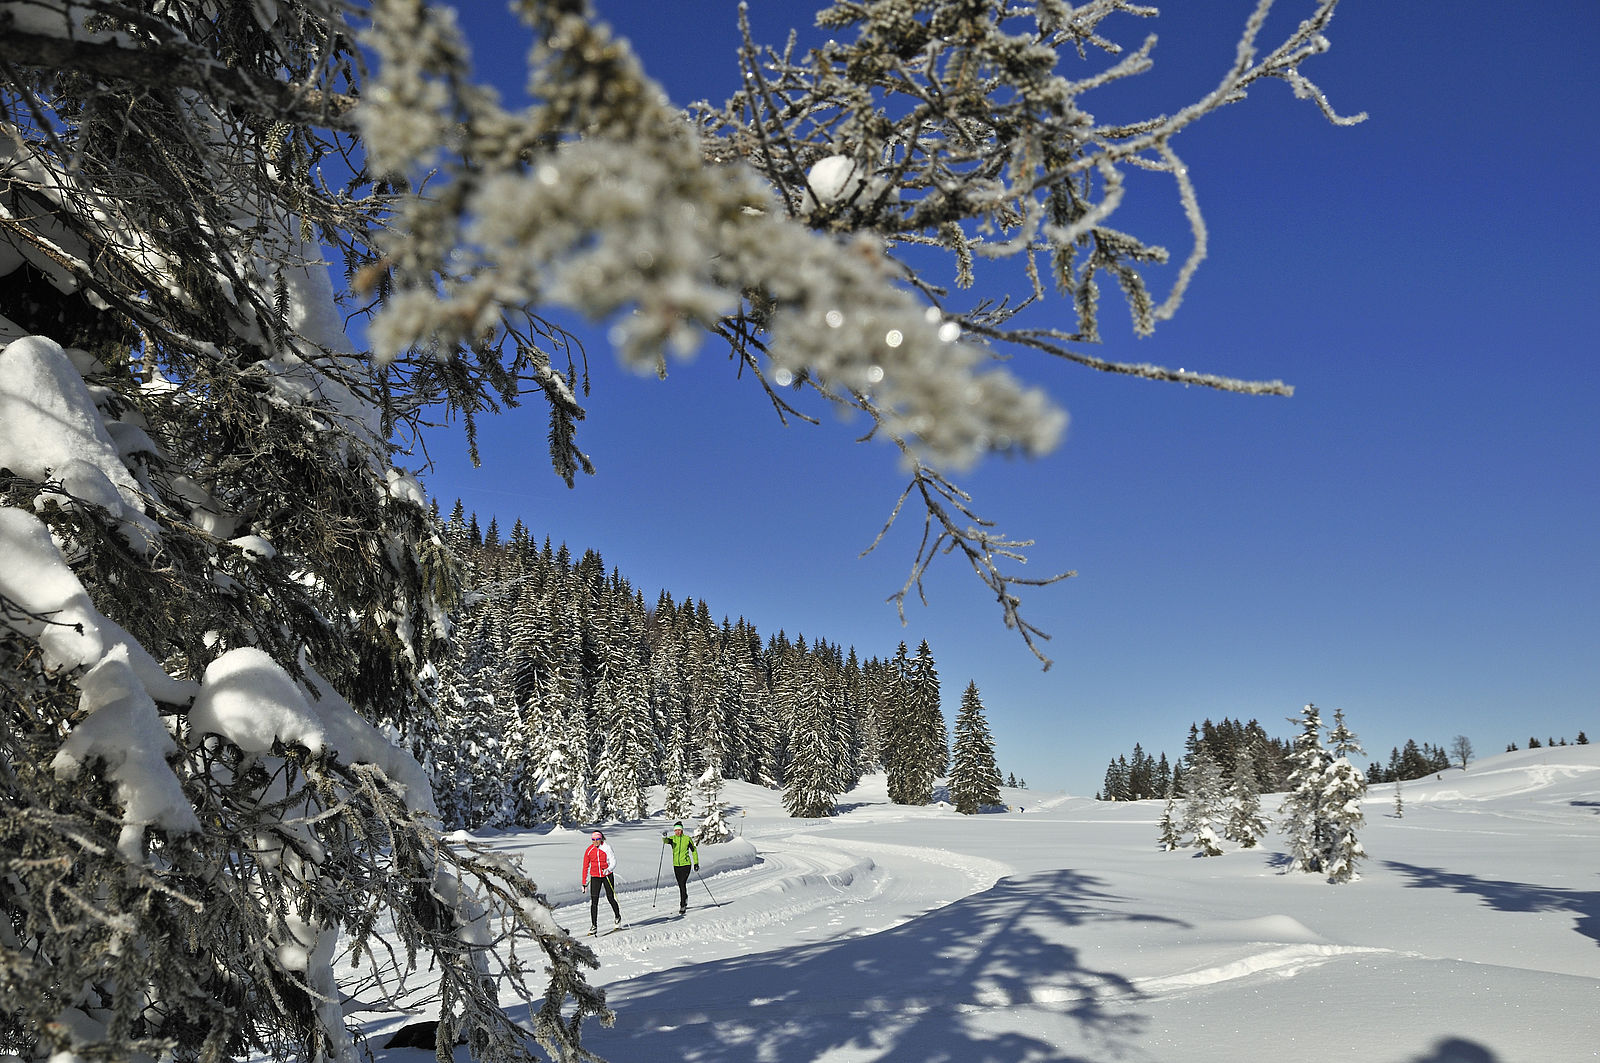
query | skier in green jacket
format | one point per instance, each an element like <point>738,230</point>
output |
<point>684,856</point>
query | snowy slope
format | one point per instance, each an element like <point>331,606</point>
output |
<point>1060,933</point>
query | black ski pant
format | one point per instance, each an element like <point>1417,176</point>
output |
<point>682,873</point>
<point>595,882</point>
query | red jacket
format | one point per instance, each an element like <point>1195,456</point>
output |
<point>596,862</point>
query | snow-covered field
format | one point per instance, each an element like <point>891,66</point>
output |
<point>1058,932</point>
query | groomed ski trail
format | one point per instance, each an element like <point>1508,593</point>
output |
<point>807,888</point>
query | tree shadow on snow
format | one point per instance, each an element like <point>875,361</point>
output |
<point>1457,1050</point>
<point>1512,896</point>
<point>1279,861</point>
<point>919,992</point>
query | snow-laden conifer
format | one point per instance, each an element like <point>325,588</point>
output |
<point>713,826</point>
<point>916,738</point>
<point>1205,807</point>
<point>577,790</point>
<point>808,784</point>
<point>844,740</point>
<point>1171,839</point>
<point>1344,789</point>
<point>623,712</point>
<point>1304,810</point>
<point>859,702</point>
<point>642,742</point>
<point>750,719</point>
<point>914,734</point>
<point>974,778</point>
<point>1245,822</point>
<point>894,713</point>
<point>469,751</point>
<point>925,695</point>
<point>679,796</point>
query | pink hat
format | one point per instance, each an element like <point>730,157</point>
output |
<point>596,836</point>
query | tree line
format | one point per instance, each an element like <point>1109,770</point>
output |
<point>1228,744</point>
<point>1533,743</point>
<point>567,696</point>
<point>1413,761</point>
<point>1141,777</point>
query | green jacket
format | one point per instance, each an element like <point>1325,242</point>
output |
<point>683,850</point>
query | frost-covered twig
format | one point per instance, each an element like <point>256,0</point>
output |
<point>984,550</point>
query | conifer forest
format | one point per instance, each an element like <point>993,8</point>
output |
<point>569,695</point>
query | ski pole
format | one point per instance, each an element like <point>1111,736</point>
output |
<point>702,879</point>
<point>659,857</point>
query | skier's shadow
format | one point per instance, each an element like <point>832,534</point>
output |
<point>919,991</point>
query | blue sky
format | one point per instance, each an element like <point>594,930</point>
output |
<point>1411,537</point>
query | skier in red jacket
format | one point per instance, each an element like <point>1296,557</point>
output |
<point>599,869</point>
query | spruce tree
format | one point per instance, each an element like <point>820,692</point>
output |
<point>1114,783</point>
<point>757,724</point>
<point>1344,788</point>
<point>859,703</point>
<point>1170,840</point>
<point>974,779</point>
<point>678,793</point>
<point>469,754</point>
<point>846,727</point>
<point>580,791</point>
<point>1245,823</point>
<point>900,752</point>
<point>642,743</point>
<point>553,789</point>
<point>617,791</point>
<point>1304,808</point>
<point>932,736</point>
<point>1141,775</point>
<point>918,736</point>
<point>1205,806</point>
<point>713,748</point>
<point>808,786</point>
<point>713,827</point>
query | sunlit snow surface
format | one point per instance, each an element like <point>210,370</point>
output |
<point>1058,932</point>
